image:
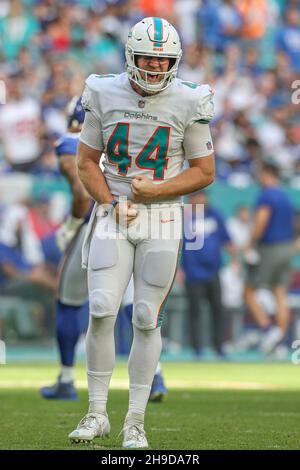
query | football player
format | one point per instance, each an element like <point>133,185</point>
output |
<point>73,293</point>
<point>147,122</point>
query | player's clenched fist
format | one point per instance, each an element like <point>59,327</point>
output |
<point>125,213</point>
<point>143,189</point>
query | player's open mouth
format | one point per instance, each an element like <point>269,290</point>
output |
<point>153,77</point>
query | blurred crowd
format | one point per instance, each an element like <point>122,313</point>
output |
<point>248,50</point>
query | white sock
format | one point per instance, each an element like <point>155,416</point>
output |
<point>98,383</point>
<point>143,359</point>
<point>100,353</point>
<point>134,418</point>
<point>66,374</point>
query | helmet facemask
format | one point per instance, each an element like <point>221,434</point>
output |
<point>134,73</point>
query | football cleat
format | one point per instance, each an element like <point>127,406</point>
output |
<point>134,437</point>
<point>221,354</point>
<point>158,389</point>
<point>92,425</point>
<point>59,391</point>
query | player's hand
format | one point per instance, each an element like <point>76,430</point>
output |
<point>66,232</point>
<point>143,189</point>
<point>125,213</point>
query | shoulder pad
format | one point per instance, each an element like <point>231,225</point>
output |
<point>94,84</point>
<point>87,95</point>
<point>200,99</point>
<point>204,111</point>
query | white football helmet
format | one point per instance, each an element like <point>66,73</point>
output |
<point>153,37</point>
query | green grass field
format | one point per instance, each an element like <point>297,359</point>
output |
<point>209,406</point>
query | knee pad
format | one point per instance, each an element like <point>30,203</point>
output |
<point>143,316</point>
<point>102,303</point>
<point>159,267</point>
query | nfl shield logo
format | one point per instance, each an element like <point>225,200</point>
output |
<point>209,145</point>
<point>141,104</point>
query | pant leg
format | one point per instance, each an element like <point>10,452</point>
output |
<point>73,288</point>
<point>217,312</point>
<point>156,261</point>
<point>110,265</point>
<point>72,295</point>
<point>196,295</point>
<point>67,332</point>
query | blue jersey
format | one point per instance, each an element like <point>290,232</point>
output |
<point>204,264</point>
<point>280,226</point>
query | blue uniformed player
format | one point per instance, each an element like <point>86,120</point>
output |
<point>72,293</point>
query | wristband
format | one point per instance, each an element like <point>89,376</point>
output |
<point>114,203</point>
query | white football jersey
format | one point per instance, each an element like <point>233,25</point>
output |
<point>144,135</point>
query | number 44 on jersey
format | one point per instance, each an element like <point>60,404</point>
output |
<point>153,156</point>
